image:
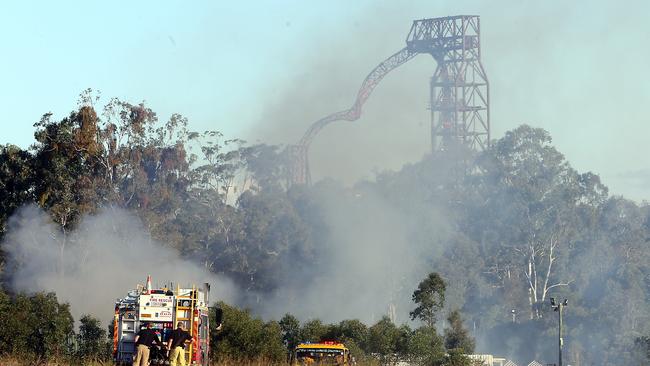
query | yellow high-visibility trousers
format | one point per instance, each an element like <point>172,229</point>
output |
<point>178,353</point>
<point>142,357</point>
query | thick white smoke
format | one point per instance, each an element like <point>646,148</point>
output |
<point>100,261</point>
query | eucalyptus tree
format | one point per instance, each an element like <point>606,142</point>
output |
<point>532,207</point>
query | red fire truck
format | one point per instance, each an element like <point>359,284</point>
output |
<point>163,308</point>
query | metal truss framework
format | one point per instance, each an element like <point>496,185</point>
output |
<point>298,154</point>
<point>459,98</point>
<point>298,164</point>
<point>459,90</point>
<point>368,85</point>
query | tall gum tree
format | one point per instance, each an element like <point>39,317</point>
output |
<point>532,205</point>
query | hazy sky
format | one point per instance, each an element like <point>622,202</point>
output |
<point>254,69</point>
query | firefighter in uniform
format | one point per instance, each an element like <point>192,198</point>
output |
<point>144,340</point>
<point>176,345</point>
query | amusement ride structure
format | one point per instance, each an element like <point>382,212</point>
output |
<point>459,89</point>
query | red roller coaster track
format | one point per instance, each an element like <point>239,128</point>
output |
<point>459,97</point>
<point>369,84</point>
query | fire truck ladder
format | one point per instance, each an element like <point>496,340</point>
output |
<point>185,304</point>
<point>124,335</point>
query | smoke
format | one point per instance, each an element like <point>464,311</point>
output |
<point>393,128</point>
<point>374,252</point>
<point>366,266</point>
<point>533,78</point>
<point>97,263</point>
<point>371,254</point>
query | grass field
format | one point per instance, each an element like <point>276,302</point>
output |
<point>13,361</point>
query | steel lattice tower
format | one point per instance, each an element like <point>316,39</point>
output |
<point>459,88</point>
<point>298,165</point>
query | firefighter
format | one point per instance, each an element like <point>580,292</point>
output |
<point>144,340</point>
<point>176,345</point>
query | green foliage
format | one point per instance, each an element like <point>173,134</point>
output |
<point>425,347</point>
<point>456,357</point>
<point>352,330</point>
<point>274,242</point>
<point>290,327</point>
<point>387,342</point>
<point>16,180</point>
<point>91,340</point>
<point>313,331</point>
<point>267,166</point>
<point>36,326</point>
<point>522,225</point>
<point>7,332</point>
<point>273,348</point>
<point>357,351</point>
<point>429,298</point>
<point>243,337</point>
<point>457,338</point>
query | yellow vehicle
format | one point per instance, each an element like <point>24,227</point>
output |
<point>322,353</point>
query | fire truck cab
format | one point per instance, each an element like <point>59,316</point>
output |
<point>163,308</point>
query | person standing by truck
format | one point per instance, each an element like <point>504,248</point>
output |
<point>176,345</point>
<point>144,340</point>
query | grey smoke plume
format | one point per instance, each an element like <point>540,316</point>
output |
<point>533,78</point>
<point>368,263</point>
<point>100,261</point>
<point>393,128</point>
<point>368,266</point>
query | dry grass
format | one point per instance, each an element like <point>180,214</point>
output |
<point>7,361</point>
<point>15,361</point>
<point>28,361</point>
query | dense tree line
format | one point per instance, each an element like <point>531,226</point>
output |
<point>530,227</point>
<point>38,328</point>
<point>177,181</point>
<point>525,226</point>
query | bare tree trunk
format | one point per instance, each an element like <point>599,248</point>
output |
<point>62,244</point>
<point>535,293</point>
<point>531,277</point>
<point>551,259</point>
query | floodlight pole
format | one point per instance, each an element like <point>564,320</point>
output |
<point>559,307</point>
<point>560,341</point>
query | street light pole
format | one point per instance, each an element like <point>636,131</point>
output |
<point>559,336</point>
<point>560,343</point>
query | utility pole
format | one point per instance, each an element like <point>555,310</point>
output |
<point>560,342</point>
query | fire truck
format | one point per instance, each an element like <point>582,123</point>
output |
<point>163,308</point>
<point>325,352</point>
